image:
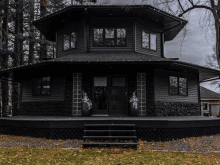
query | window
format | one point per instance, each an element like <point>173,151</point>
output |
<point>110,37</point>
<point>69,41</point>
<point>149,41</point>
<point>178,86</point>
<point>41,86</point>
<point>205,106</point>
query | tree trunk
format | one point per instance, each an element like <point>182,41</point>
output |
<point>217,27</point>
<point>4,35</point>
<point>31,35</point>
<point>43,50</point>
<point>21,53</point>
<point>18,45</point>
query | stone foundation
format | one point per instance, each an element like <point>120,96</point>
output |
<point>177,109</point>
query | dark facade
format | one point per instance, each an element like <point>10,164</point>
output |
<point>111,55</point>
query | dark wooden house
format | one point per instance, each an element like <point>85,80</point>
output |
<point>109,62</point>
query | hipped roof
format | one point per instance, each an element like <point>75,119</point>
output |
<point>121,58</point>
<point>171,24</point>
<point>208,94</point>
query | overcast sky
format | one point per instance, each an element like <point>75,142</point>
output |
<point>196,46</point>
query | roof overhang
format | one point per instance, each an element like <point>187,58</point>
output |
<point>170,24</point>
<point>203,72</point>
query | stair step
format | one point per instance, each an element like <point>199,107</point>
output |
<point>93,125</point>
<point>109,130</point>
<point>104,137</point>
<point>107,143</point>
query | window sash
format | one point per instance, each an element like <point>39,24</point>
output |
<point>109,37</point>
<point>183,86</point>
<point>36,89</point>
<point>41,86</point>
<point>173,85</point>
<point>149,40</point>
<point>69,41</point>
<point>178,86</point>
<point>153,41</point>
<point>145,40</point>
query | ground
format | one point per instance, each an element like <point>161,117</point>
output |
<point>28,150</point>
<point>205,144</point>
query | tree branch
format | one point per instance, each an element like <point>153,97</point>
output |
<point>195,7</point>
<point>180,5</point>
<point>191,2</point>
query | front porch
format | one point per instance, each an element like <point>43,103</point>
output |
<point>148,128</point>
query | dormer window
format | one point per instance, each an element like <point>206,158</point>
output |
<point>149,40</point>
<point>110,37</point>
<point>69,41</point>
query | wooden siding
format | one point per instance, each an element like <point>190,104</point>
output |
<point>148,27</point>
<point>57,91</point>
<point>116,23</point>
<point>162,87</point>
<point>78,27</point>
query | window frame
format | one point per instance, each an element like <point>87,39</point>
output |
<point>41,85</point>
<point>115,36</point>
<point>149,40</point>
<point>178,85</point>
<point>207,103</point>
<point>69,35</point>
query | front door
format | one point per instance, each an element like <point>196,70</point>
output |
<point>110,96</point>
<point>100,96</point>
<point>118,96</point>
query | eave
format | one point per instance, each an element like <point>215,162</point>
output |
<point>171,25</point>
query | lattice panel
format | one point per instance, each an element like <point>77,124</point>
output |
<point>141,92</point>
<point>77,93</point>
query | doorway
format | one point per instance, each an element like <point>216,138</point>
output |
<point>110,96</point>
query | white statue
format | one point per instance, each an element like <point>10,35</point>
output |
<point>135,100</point>
<point>86,100</point>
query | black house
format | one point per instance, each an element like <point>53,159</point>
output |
<point>109,62</point>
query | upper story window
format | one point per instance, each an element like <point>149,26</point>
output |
<point>110,37</point>
<point>69,41</point>
<point>41,86</point>
<point>149,40</point>
<point>178,86</point>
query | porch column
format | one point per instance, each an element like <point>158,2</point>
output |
<point>77,94</point>
<point>141,93</point>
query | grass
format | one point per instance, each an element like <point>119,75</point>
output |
<point>100,156</point>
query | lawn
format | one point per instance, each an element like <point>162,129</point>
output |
<point>102,156</point>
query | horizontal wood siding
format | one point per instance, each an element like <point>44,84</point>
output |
<point>57,91</point>
<point>148,27</point>
<point>162,87</point>
<point>78,27</point>
<point>114,23</point>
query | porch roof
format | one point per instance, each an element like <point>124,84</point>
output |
<point>205,73</point>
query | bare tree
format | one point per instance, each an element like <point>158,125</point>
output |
<point>209,8</point>
<point>211,62</point>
